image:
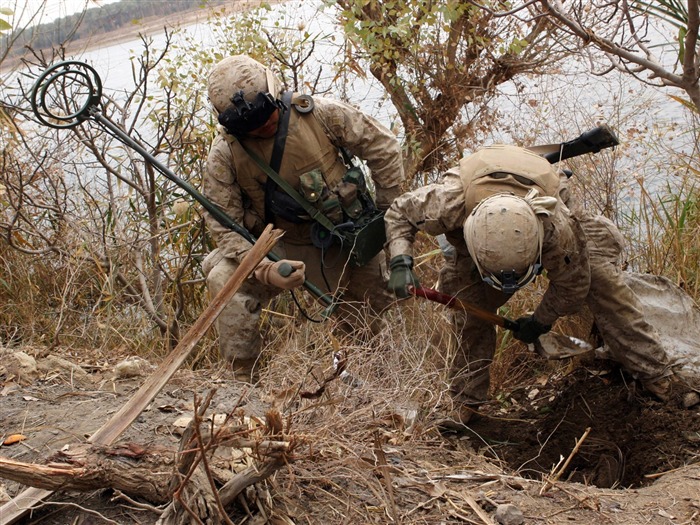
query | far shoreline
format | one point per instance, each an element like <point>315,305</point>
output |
<point>146,27</point>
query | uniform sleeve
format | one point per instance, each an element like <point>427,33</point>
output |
<point>565,257</point>
<point>434,209</point>
<point>220,187</point>
<point>368,139</point>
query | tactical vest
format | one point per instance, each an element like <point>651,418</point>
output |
<point>505,169</point>
<point>307,148</point>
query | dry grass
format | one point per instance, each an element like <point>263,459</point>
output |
<point>403,367</point>
<point>354,426</point>
<point>370,449</point>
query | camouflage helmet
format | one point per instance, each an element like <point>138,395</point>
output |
<point>244,94</point>
<point>504,237</point>
<point>240,73</point>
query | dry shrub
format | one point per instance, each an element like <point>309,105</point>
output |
<point>395,388</point>
<point>41,296</point>
<point>665,228</point>
<point>401,367</point>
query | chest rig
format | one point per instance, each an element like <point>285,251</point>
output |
<point>309,183</point>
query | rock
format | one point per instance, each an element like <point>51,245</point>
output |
<point>508,514</point>
<point>691,399</point>
<point>4,496</point>
<point>53,365</point>
<point>131,367</point>
<point>21,366</point>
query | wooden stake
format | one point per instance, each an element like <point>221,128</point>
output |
<point>11,511</point>
<point>557,474</point>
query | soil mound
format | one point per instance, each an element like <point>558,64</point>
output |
<point>632,438</point>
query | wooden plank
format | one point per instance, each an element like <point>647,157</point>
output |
<point>14,509</point>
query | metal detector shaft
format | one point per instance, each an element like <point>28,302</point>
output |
<point>457,304</point>
<point>219,215</point>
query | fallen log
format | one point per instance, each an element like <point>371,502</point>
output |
<point>130,468</point>
<point>194,480</point>
<point>140,473</point>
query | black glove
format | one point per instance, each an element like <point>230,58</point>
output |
<point>402,275</point>
<point>530,329</point>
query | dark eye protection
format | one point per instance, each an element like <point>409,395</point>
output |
<point>242,117</point>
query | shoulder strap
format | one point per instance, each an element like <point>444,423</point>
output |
<point>289,190</point>
<point>281,135</point>
<point>277,152</point>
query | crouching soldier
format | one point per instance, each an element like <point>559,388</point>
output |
<point>283,158</point>
<point>502,211</point>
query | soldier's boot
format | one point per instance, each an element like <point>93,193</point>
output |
<point>245,370</point>
<point>458,419</point>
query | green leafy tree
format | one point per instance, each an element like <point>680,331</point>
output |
<point>440,63</point>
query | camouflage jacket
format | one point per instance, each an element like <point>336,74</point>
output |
<point>440,208</point>
<point>331,124</point>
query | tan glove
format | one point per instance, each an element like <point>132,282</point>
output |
<point>268,272</point>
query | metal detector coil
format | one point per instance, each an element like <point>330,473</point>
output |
<point>66,94</point>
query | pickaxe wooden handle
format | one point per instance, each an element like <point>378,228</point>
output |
<point>457,304</point>
<point>551,345</point>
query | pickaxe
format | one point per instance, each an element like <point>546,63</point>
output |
<point>551,345</point>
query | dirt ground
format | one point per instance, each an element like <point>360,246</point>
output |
<point>632,437</point>
<point>637,464</point>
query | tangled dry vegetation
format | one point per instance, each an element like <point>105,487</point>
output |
<point>341,429</point>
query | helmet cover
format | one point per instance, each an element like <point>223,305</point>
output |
<point>504,237</point>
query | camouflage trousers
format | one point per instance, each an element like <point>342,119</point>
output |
<point>363,290</point>
<point>617,313</point>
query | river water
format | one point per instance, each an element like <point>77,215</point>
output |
<point>555,108</point>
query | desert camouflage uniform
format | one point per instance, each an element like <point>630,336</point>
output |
<point>580,268</point>
<point>628,337</point>
<point>235,183</point>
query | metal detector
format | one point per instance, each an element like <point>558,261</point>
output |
<point>68,93</point>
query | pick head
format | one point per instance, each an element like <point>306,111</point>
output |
<point>65,94</point>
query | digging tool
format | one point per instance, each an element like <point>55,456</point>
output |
<point>458,304</point>
<point>551,345</point>
<point>68,93</point>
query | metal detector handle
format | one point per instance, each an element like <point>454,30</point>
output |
<point>285,270</point>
